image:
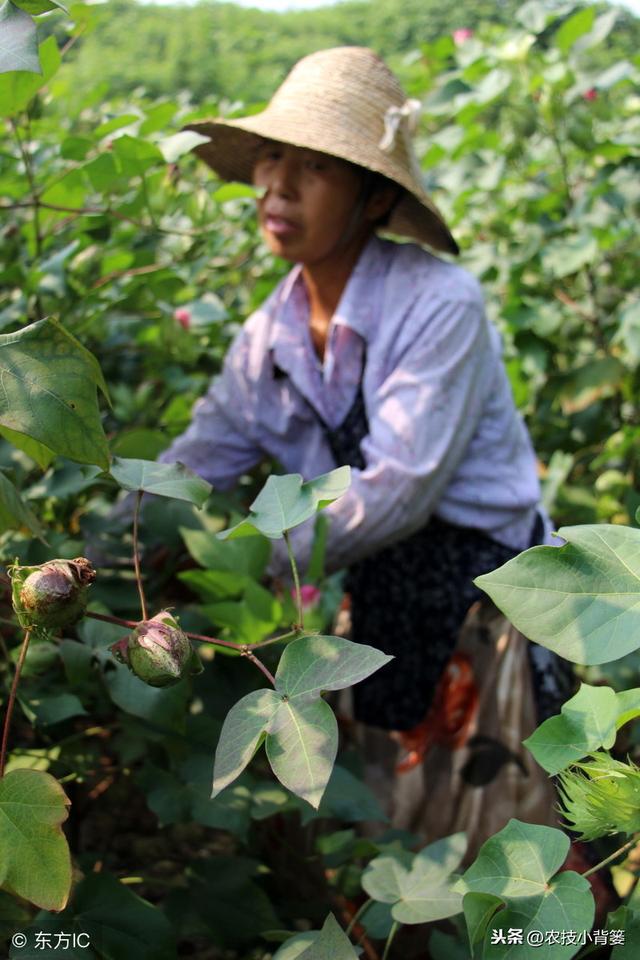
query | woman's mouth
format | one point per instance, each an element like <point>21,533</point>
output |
<point>278,226</point>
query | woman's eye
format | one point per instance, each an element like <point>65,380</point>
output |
<point>316,164</point>
<point>269,154</point>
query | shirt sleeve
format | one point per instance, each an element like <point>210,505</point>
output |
<point>421,420</point>
<point>219,443</point>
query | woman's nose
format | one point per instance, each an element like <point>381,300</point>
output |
<point>283,177</point>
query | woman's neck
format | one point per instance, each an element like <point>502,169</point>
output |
<point>325,282</point>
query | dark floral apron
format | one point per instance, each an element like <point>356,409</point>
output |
<point>411,598</point>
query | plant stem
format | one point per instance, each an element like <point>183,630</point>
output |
<point>107,619</point>
<point>147,201</point>
<point>136,556</point>
<point>12,699</point>
<point>278,639</point>
<point>260,665</point>
<point>359,912</point>
<point>296,580</point>
<point>612,856</point>
<point>564,166</point>
<point>392,933</point>
<point>34,203</point>
<point>215,641</point>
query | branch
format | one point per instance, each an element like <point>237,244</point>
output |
<point>612,856</point>
<point>296,580</point>
<point>387,947</point>
<point>104,212</point>
<point>12,698</point>
<point>136,555</point>
<point>34,204</point>
<point>260,665</point>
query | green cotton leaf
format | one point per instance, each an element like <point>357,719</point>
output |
<point>331,943</point>
<point>347,798</point>
<point>174,147</point>
<point>301,742</point>
<point>136,156</point>
<point>56,708</point>
<point>139,443</point>
<point>242,730</point>
<point>588,383</point>
<point>628,330</point>
<point>240,557</point>
<point>301,745</point>
<point>615,74</point>
<point>34,856</point>
<point>558,469</point>
<point>383,877</point>
<point>377,921</point>
<point>601,29</point>
<point>158,117</point>
<point>491,86</point>
<point>223,897</point>
<point>172,480</point>
<point>568,254</point>
<point>14,512</point>
<point>532,16</point>
<point>311,664</point>
<point>315,570</point>
<point>517,866</point>
<point>50,384</point>
<point>110,914</point>
<point>566,905</point>
<point>626,922</point>
<point>296,945</point>
<point>286,501</point>
<point>18,40</point>
<point>250,619</point>
<point>586,722</point>
<point>581,600</point>
<point>115,123</point>
<point>424,891</point>
<point>18,87</point>
<point>518,861</point>
<point>427,892</point>
<point>479,908</point>
<point>214,585</point>
<point>234,191</point>
<point>300,729</point>
<point>38,452</point>
<point>36,7</point>
<point>164,707</point>
<point>103,173</point>
<point>574,28</point>
<point>628,706</point>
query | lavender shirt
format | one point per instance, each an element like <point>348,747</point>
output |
<point>444,435</point>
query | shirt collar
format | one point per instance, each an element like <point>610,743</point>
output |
<point>358,306</point>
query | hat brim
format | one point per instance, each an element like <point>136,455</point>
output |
<point>231,152</point>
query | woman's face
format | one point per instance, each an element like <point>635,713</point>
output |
<point>308,203</point>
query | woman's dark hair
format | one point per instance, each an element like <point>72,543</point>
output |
<point>371,183</point>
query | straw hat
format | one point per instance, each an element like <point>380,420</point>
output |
<point>347,103</point>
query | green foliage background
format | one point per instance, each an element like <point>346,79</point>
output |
<point>529,142</point>
<point>240,53</point>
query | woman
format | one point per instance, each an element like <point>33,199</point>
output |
<point>378,355</point>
